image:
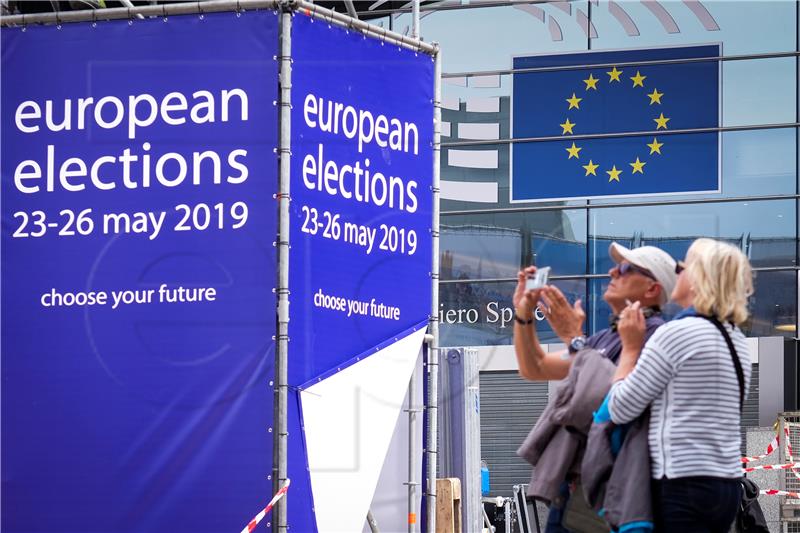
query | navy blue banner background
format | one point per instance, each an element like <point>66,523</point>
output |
<point>687,94</point>
<point>367,75</point>
<point>153,416</point>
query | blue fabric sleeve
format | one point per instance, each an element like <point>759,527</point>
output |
<point>618,434</point>
<point>636,527</point>
<point>602,414</point>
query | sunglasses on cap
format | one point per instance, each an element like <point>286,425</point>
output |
<point>680,266</point>
<point>627,268</point>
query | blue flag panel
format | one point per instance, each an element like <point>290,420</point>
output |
<point>138,174</point>
<point>605,100</point>
<point>362,163</point>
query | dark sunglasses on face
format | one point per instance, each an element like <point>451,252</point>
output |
<point>680,266</point>
<point>626,268</point>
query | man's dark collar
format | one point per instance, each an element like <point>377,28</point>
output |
<point>647,311</point>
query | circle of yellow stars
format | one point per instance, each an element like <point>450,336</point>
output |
<point>567,128</point>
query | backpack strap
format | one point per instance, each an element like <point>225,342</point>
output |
<point>734,356</point>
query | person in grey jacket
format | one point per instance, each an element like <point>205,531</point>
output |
<point>553,446</point>
<point>694,379</point>
<point>645,274</point>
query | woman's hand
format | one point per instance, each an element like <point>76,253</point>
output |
<point>631,328</point>
<point>524,300</point>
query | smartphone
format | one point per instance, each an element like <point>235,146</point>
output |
<point>538,280</point>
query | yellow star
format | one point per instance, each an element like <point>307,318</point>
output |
<point>655,97</point>
<point>655,147</point>
<point>567,127</point>
<point>661,121</point>
<point>613,173</point>
<point>591,83</point>
<point>638,80</point>
<point>638,166</point>
<point>591,168</point>
<point>614,73</point>
<point>573,151</point>
<point>573,102</point>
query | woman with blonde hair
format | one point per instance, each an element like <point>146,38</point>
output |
<point>692,373</point>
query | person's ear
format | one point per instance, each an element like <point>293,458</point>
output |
<point>654,291</point>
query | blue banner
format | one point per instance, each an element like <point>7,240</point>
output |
<point>362,163</point>
<point>656,98</point>
<point>138,266</point>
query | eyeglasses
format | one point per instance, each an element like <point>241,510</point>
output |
<point>626,268</point>
<point>680,266</point>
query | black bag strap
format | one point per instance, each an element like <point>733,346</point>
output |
<point>734,356</point>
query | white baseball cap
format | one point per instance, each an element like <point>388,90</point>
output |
<point>655,260</point>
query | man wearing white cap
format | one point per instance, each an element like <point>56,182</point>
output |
<point>646,274</point>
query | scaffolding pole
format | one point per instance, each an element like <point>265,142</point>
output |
<point>344,21</point>
<point>412,452</point>
<point>412,385</point>
<point>117,13</point>
<point>433,319</point>
<point>415,20</point>
<point>213,6</point>
<point>280,414</point>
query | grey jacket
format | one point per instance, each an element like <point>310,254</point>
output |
<point>555,444</point>
<point>621,485</point>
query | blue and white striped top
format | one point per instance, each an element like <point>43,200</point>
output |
<point>686,374</point>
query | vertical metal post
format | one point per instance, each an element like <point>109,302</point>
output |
<point>412,385</point>
<point>797,160</point>
<point>471,424</point>
<point>415,19</point>
<point>782,459</point>
<point>280,432</point>
<point>433,324</point>
<point>589,325</point>
<point>412,453</point>
<point>373,524</point>
<point>507,514</point>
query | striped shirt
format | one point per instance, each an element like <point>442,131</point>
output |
<point>685,373</point>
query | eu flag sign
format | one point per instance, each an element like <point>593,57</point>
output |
<point>652,99</point>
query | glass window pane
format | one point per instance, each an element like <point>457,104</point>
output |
<point>475,177</point>
<point>759,162</point>
<point>486,38</point>
<point>754,163</point>
<point>482,314</point>
<point>491,246</point>
<point>743,27</point>
<point>759,91</point>
<point>597,310</point>
<point>773,307</point>
<point>765,230</point>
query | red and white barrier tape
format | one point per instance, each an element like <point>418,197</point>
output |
<point>789,450</point>
<point>773,492</point>
<point>772,467</point>
<point>260,516</point>
<point>771,448</point>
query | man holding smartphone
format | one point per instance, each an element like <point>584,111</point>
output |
<point>645,274</point>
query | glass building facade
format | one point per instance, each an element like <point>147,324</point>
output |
<point>485,239</point>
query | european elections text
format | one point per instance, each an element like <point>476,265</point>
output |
<point>359,180</point>
<point>138,166</point>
